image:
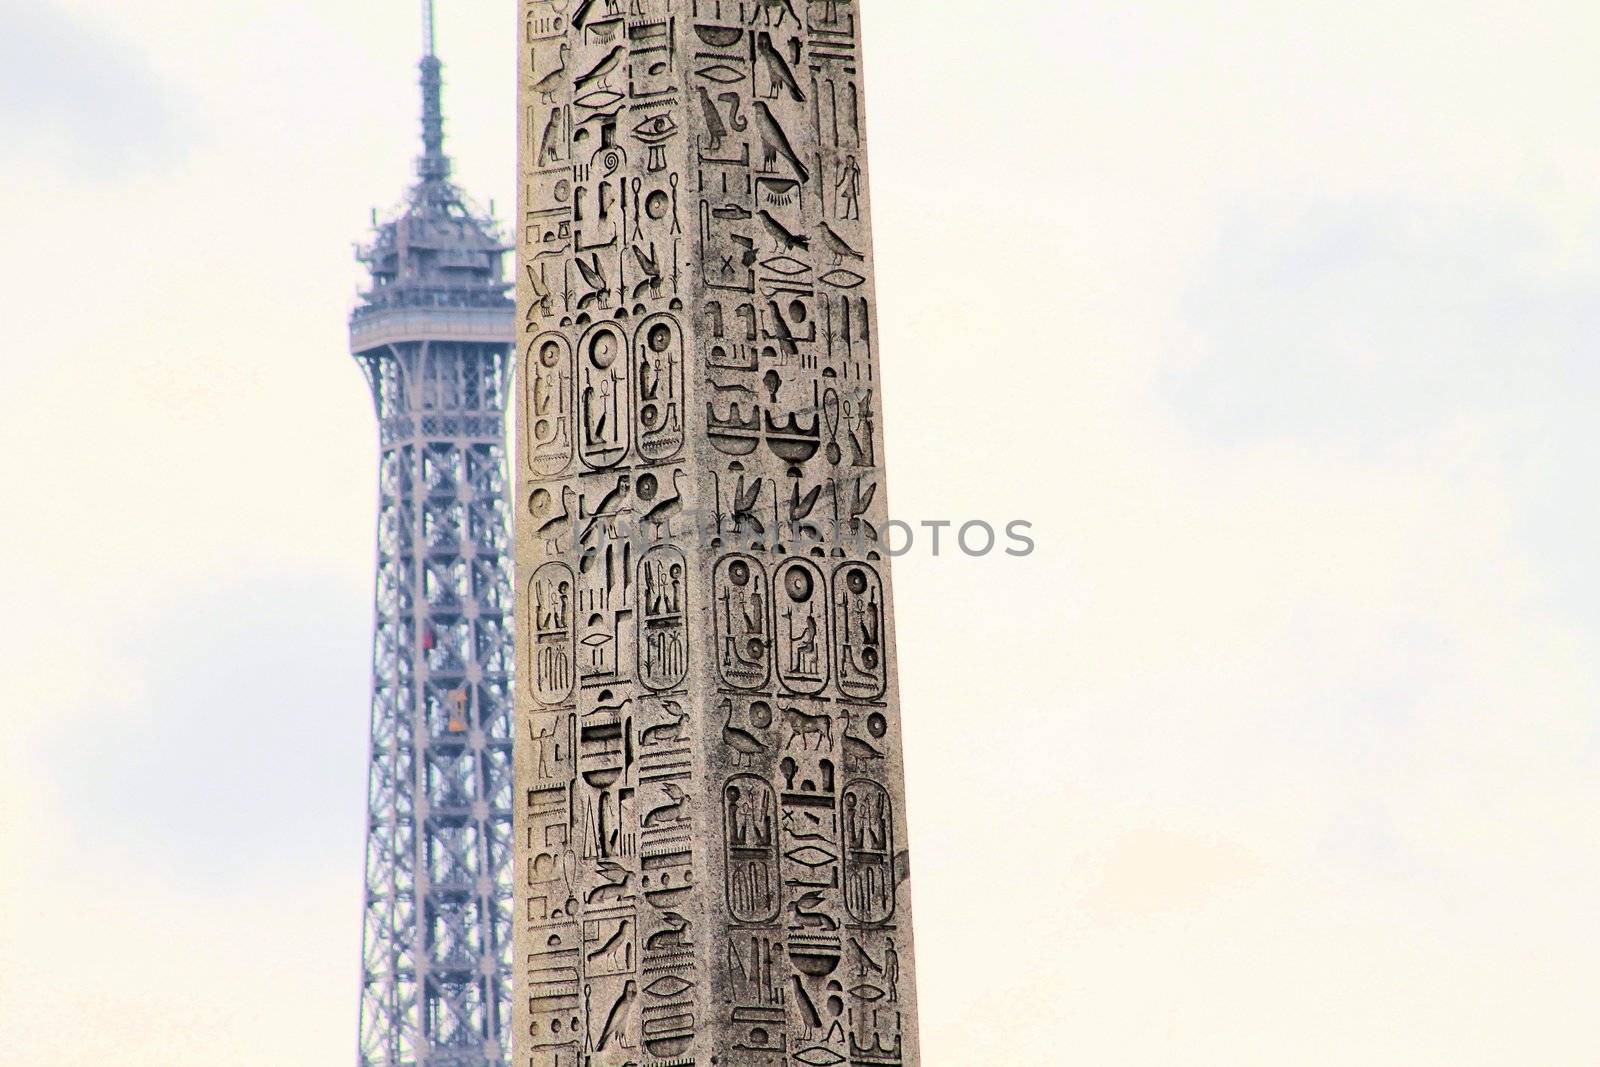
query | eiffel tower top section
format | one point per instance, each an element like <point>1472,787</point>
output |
<point>437,252</point>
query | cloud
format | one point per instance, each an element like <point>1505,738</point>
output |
<point>81,94</point>
<point>1154,869</point>
<point>1387,328</point>
<point>221,761</point>
<point>1380,319</point>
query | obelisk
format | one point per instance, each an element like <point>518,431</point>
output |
<point>710,837</point>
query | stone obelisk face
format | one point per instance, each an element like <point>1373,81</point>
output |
<point>711,838</point>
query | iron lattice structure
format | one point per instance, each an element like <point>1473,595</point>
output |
<point>434,334</point>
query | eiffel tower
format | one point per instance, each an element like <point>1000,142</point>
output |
<point>433,334</point>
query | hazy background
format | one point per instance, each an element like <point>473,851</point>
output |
<point>1278,321</point>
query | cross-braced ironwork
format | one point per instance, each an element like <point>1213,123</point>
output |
<point>434,335</point>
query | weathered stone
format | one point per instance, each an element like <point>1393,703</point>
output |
<point>711,836</point>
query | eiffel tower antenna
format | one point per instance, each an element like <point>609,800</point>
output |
<point>434,164</point>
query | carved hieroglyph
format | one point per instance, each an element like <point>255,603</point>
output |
<point>711,834</point>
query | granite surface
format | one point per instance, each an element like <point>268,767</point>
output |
<point>710,838</point>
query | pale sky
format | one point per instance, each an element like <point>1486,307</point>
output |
<point>1276,319</point>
